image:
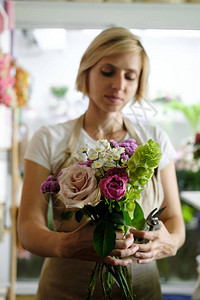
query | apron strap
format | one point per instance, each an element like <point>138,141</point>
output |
<point>72,145</point>
<point>131,131</point>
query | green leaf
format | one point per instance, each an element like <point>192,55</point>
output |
<point>66,215</point>
<point>90,211</point>
<point>79,214</point>
<point>139,222</point>
<point>104,237</point>
<point>127,218</point>
<point>117,218</point>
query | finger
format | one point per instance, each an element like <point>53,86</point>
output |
<point>120,235</point>
<point>117,262</point>
<point>124,243</point>
<point>121,253</point>
<point>144,255</point>
<point>144,261</point>
<point>144,247</point>
<point>148,235</point>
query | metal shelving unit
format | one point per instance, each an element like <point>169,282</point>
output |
<point>80,15</point>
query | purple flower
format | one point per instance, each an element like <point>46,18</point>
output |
<point>129,145</point>
<point>87,163</point>
<point>115,144</point>
<point>112,187</point>
<point>124,156</point>
<point>120,172</point>
<point>51,185</point>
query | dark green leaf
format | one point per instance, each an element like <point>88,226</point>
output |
<point>101,209</point>
<point>138,221</point>
<point>104,237</point>
<point>117,218</point>
<point>90,211</point>
<point>79,214</point>
<point>127,218</point>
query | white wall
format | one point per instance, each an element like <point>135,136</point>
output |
<point>174,71</point>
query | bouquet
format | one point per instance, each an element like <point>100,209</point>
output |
<point>106,188</point>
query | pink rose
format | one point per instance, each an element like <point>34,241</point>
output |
<point>121,172</point>
<point>112,187</point>
<point>78,186</point>
<point>197,138</point>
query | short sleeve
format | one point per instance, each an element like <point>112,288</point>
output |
<point>167,149</point>
<point>38,149</point>
<point>146,131</point>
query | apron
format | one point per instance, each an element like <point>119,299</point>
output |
<point>67,278</point>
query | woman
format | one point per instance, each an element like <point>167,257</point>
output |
<point>113,70</point>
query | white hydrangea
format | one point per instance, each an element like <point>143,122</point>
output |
<point>102,155</point>
<point>107,146</point>
<point>124,163</point>
<point>109,157</point>
<point>97,164</point>
<point>112,151</point>
<point>120,150</point>
<point>83,149</point>
<point>92,154</point>
<point>99,148</point>
<point>116,156</point>
<point>109,165</point>
<point>104,143</point>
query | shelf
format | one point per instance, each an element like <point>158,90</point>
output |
<point>192,198</point>
<point>76,15</point>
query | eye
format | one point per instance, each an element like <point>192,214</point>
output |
<point>106,73</point>
<point>130,76</point>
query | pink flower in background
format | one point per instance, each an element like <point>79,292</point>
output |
<point>197,138</point>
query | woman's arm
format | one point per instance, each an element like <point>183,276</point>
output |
<point>32,220</point>
<point>35,236</point>
<point>171,236</point>
<point>172,216</point>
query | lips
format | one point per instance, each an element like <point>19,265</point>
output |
<point>113,99</point>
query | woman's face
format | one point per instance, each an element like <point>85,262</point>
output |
<point>113,81</point>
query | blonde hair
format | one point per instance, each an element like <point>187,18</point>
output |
<point>115,40</point>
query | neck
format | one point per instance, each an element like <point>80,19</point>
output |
<point>104,126</point>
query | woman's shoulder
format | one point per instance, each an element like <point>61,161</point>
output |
<point>48,144</point>
<point>146,131</point>
<point>56,131</point>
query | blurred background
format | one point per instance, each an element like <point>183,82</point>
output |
<point>39,59</point>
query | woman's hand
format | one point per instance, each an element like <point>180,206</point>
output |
<point>79,244</point>
<point>161,244</point>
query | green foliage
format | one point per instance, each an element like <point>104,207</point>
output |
<point>104,237</point>
<point>59,92</point>
<point>190,111</point>
<point>188,213</point>
<point>188,180</point>
<point>143,162</point>
<point>138,221</point>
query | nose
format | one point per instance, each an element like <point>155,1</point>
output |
<point>118,82</point>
